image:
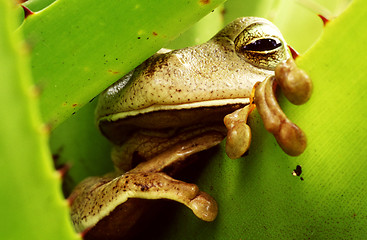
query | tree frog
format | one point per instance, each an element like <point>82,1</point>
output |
<point>178,103</point>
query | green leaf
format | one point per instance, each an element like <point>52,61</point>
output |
<point>32,205</point>
<point>80,47</point>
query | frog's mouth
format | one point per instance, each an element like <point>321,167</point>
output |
<point>159,117</point>
<point>185,106</point>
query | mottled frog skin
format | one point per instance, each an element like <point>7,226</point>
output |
<point>178,103</point>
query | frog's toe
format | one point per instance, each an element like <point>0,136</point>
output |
<point>204,206</point>
<point>294,82</point>
<point>239,133</point>
<point>288,135</point>
<point>291,138</point>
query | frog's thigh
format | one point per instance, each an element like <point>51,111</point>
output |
<point>95,198</point>
<point>163,152</point>
<point>171,158</point>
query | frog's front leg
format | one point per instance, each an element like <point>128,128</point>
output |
<point>96,198</point>
<point>297,87</point>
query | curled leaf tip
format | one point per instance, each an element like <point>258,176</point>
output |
<point>324,19</point>
<point>27,12</point>
<point>293,51</point>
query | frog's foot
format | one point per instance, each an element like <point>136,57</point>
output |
<point>297,88</point>
<point>95,198</point>
<point>239,133</point>
<point>294,82</point>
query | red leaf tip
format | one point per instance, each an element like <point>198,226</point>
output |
<point>324,19</point>
<point>27,12</point>
<point>294,53</point>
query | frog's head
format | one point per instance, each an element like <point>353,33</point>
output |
<point>199,84</point>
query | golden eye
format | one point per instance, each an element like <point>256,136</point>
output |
<point>262,45</point>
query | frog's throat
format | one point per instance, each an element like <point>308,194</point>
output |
<point>184,106</point>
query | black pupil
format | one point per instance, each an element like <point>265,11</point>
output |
<point>263,45</point>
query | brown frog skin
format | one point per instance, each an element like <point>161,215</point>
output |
<point>181,102</point>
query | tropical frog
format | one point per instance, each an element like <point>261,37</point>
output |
<point>178,103</point>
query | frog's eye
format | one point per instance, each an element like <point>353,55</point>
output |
<point>262,45</point>
<point>265,44</point>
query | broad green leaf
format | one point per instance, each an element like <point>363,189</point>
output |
<point>201,31</point>
<point>80,47</point>
<point>32,205</point>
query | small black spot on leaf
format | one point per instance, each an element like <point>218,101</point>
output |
<point>297,172</point>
